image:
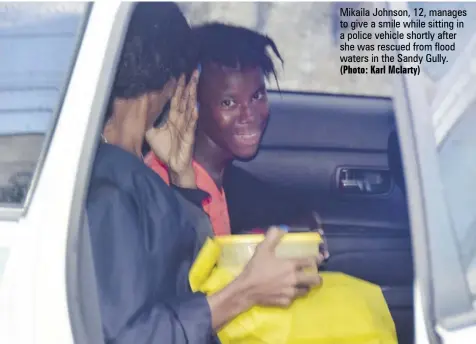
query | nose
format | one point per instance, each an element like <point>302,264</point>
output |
<point>246,114</point>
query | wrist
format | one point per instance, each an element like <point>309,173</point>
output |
<point>184,179</point>
<point>230,302</point>
<point>243,288</point>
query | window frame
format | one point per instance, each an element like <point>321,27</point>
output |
<point>458,95</point>
<point>46,243</point>
<point>446,299</point>
<point>83,304</point>
<point>14,211</point>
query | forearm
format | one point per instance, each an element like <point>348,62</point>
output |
<point>228,303</point>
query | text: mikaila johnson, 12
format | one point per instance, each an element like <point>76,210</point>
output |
<point>384,12</point>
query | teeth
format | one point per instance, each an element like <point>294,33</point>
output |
<point>248,136</point>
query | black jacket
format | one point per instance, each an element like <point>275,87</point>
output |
<point>145,236</point>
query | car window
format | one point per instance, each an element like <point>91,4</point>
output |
<point>306,34</point>
<point>454,134</point>
<point>38,44</point>
<point>435,73</point>
<point>457,160</point>
<point>437,70</point>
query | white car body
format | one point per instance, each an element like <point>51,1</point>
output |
<point>33,298</point>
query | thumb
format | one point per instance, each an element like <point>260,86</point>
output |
<point>272,239</point>
<point>149,134</point>
<point>152,134</point>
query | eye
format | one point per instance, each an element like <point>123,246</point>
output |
<point>227,103</point>
<point>259,95</point>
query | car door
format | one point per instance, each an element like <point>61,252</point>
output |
<point>325,149</point>
<point>55,70</point>
<point>435,124</point>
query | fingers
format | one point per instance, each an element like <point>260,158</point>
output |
<point>192,122</point>
<point>272,239</point>
<point>184,102</point>
<point>301,291</point>
<point>192,91</point>
<point>307,279</point>
<point>192,111</point>
<point>309,262</point>
<point>177,98</point>
<point>289,295</point>
<point>305,263</point>
<point>305,272</point>
<point>283,301</point>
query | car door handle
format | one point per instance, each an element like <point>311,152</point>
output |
<point>363,181</point>
<point>353,184</point>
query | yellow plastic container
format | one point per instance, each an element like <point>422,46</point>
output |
<point>237,250</point>
<point>343,310</point>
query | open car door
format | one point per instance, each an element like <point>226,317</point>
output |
<point>55,79</point>
<point>436,120</point>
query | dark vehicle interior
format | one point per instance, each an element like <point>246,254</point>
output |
<point>335,154</point>
<point>331,154</point>
<point>330,146</point>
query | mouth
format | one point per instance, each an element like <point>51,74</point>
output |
<point>248,138</point>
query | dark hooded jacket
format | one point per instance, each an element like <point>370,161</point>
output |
<point>145,237</point>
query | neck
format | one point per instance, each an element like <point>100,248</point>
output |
<point>126,127</point>
<point>115,136</point>
<point>211,157</point>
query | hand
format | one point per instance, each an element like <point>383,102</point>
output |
<point>173,142</point>
<point>274,281</point>
<point>266,280</point>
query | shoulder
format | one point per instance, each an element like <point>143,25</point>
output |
<point>118,173</point>
<point>134,206</point>
<point>106,197</point>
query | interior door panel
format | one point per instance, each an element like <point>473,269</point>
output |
<point>309,137</point>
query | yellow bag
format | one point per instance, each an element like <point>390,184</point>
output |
<point>343,310</point>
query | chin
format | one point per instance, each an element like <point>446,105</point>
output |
<point>246,153</point>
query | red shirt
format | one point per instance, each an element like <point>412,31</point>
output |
<point>215,205</point>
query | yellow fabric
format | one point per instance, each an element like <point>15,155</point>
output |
<point>344,310</point>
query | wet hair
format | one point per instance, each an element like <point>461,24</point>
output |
<point>235,47</point>
<point>157,47</point>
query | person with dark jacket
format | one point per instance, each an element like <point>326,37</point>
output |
<point>144,234</point>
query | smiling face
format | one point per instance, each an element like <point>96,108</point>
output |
<point>233,108</point>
